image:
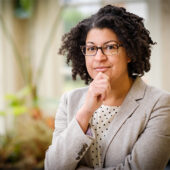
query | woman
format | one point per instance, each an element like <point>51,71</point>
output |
<point>117,122</point>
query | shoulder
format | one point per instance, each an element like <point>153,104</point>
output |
<point>75,95</point>
<point>77,92</point>
<point>149,96</point>
<point>158,101</point>
<point>72,100</point>
<point>158,94</point>
<point>141,90</point>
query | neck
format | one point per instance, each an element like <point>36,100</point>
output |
<point>118,91</point>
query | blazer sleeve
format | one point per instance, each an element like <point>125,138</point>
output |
<point>69,143</point>
<point>152,149</point>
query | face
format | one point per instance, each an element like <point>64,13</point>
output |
<point>115,66</point>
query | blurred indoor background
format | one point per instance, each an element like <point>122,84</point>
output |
<point>33,76</point>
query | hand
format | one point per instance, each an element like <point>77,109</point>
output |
<point>97,93</point>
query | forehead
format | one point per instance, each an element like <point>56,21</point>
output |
<point>100,36</point>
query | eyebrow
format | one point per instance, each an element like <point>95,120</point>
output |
<point>103,43</point>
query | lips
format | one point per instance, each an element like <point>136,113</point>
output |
<point>102,68</point>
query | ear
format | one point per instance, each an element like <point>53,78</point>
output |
<point>128,60</point>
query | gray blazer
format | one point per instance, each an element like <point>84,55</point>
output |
<point>139,135</point>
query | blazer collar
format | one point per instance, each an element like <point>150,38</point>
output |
<point>137,90</point>
<point>127,108</point>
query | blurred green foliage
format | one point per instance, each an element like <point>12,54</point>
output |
<point>23,146</point>
<point>71,16</point>
<point>16,103</point>
<point>24,8</point>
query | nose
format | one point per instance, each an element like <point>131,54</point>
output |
<point>100,56</point>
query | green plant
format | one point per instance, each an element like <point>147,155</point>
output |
<point>17,103</point>
<point>24,146</point>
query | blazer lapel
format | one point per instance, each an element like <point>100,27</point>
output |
<point>127,108</point>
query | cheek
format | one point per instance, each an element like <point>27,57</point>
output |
<point>120,65</point>
<point>89,67</point>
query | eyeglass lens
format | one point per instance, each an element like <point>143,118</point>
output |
<point>107,49</point>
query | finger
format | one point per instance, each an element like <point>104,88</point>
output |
<point>103,79</point>
<point>100,88</point>
<point>103,89</point>
<point>100,93</point>
<point>98,76</point>
<point>102,82</point>
<point>103,75</point>
<point>103,96</point>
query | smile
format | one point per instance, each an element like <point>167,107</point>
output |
<point>102,68</point>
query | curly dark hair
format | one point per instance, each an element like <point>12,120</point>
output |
<point>130,31</point>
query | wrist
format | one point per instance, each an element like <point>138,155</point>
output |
<point>83,117</point>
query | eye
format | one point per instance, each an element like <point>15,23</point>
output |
<point>111,46</point>
<point>90,48</point>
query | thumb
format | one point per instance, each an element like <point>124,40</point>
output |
<point>103,96</point>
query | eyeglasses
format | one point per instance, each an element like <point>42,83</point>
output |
<point>108,49</point>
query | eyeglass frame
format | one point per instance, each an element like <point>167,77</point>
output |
<point>101,48</point>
